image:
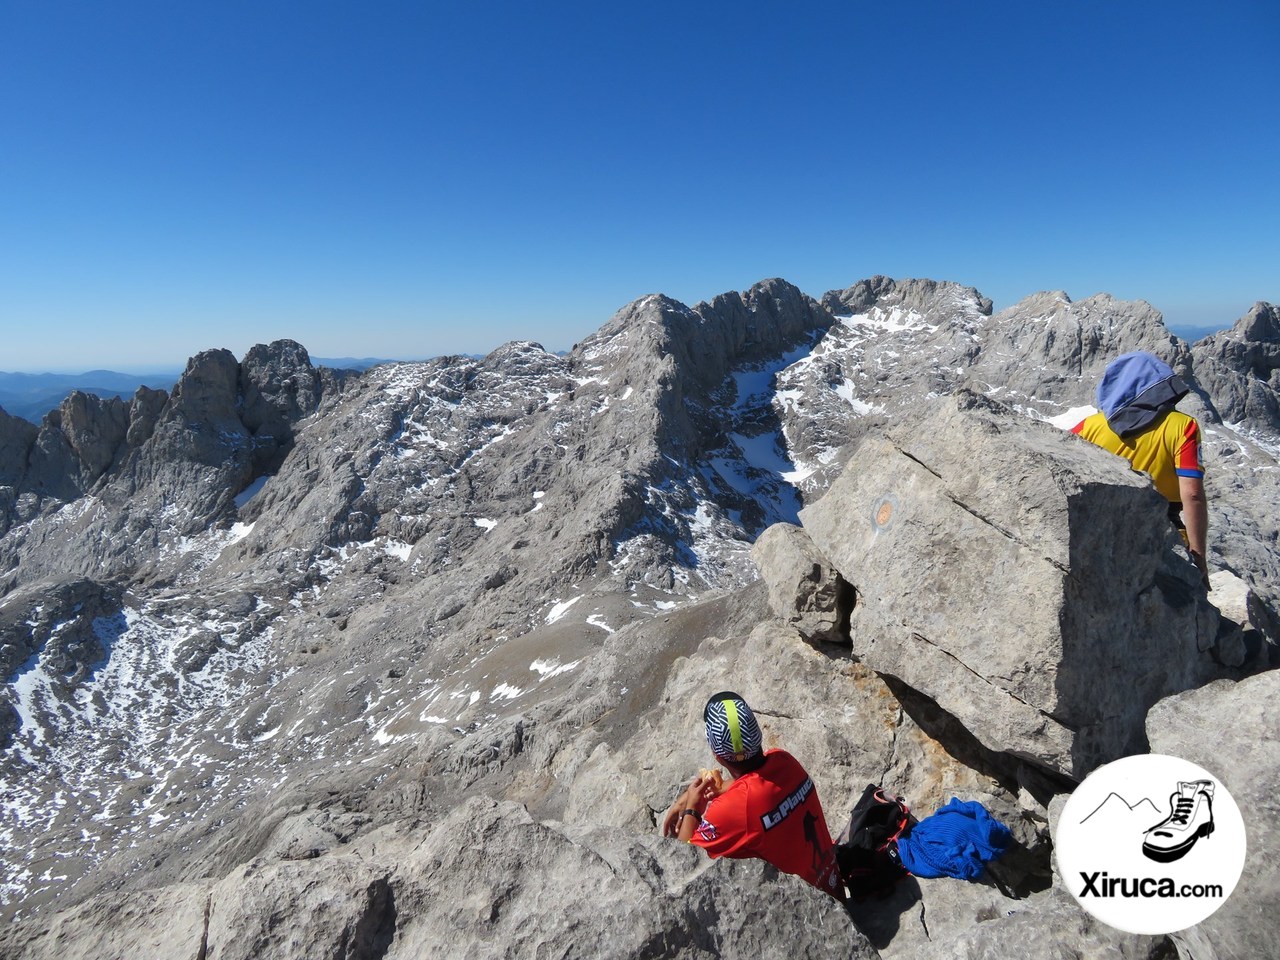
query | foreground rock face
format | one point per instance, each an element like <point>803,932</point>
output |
<point>1025,581</point>
<point>1229,729</point>
<point>487,882</point>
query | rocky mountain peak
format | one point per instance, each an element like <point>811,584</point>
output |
<point>16,437</point>
<point>208,391</point>
<point>920,296</point>
<point>1047,302</point>
<point>279,386</point>
<point>519,358</point>
<point>95,427</point>
<point>1260,325</point>
<point>1067,344</point>
<point>1240,368</point>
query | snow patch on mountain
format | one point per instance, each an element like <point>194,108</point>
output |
<point>108,749</point>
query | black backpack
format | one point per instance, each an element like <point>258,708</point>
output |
<point>867,851</point>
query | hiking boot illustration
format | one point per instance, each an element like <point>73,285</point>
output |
<point>1190,818</point>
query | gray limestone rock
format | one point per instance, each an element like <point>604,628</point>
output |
<point>75,446</point>
<point>1240,369</point>
<point>1029,586</point>
<point>152,476</point>
<point>488,880</point>
<point>155,925</point>
<point>805,591</point>
<point>95,429</point>
<point>1249,628</point>
<point>16,439</point>
<point>1048,349</point>
<point>144,412</point>
<point>1050,926</point>
<point>923,296</point>
<point>1228,728</point>
<point>567,889</point>
<point>63,632</point>
<point>280,387</point>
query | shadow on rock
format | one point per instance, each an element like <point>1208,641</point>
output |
<point>880,918</point>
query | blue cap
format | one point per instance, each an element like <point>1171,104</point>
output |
<point>1136,390</point>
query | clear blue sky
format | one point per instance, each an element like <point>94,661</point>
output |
<point>404,179</point>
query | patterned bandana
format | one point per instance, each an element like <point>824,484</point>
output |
<point>732,730</point>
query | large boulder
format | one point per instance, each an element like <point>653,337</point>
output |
<point>1229,729</point>
<point>1024,580</point>
<point>566,890</point>
<point>1049,926</point>
<point>168,923</point>
<point>805,591</point>
<point>1249,632</point>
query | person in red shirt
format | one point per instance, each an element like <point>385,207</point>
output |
<point>768,808</point>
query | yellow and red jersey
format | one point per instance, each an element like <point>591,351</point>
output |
<point>1165,451</point>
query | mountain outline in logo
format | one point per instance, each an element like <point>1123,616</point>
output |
<point>1143,806</point>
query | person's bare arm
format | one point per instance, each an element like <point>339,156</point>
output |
<point>1195,514</point>
<point>690,823</point>
<point>695,797</point>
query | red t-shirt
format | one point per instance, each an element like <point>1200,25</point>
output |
<point>772,813</point>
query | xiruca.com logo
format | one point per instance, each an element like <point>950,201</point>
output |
<point>1150,844</point>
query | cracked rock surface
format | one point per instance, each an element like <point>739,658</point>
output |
<point>997,582</point>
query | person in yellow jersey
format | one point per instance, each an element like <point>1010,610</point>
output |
<point>1137,419</point>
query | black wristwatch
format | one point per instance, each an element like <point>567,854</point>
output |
<point>689,813</point>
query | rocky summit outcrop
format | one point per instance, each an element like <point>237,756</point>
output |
<point>910,296</point>
<point>410,662</point>
<point>487,881</point>
<point>1025,581</point>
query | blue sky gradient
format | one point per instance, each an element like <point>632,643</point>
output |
<point>411,179</point>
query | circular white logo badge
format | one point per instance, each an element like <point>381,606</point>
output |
<point>1150,844</point>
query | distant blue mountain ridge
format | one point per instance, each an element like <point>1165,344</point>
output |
<point>1191,333</point>
<point>32,395</point>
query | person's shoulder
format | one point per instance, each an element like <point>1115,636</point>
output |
<point>1177,428</point>
<point>779,759</point>
<point>1092,423</point>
